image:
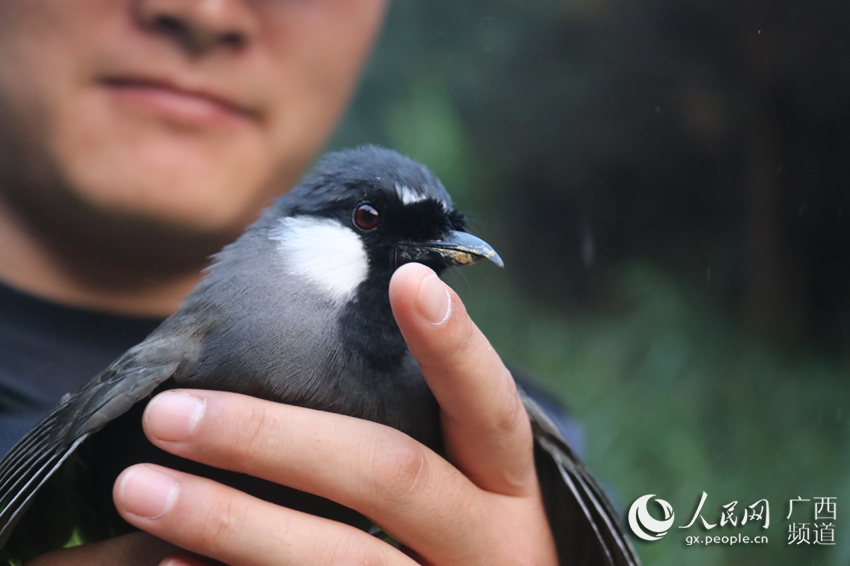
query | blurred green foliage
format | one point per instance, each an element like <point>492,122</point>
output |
<point>676,400</point>
<point>667,185</point>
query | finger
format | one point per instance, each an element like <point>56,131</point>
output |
<point>485,426</point>
<point>384,474</point>
<point>227,525</point>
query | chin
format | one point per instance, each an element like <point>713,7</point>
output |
<point>185,189</point>
<point>128,164</point>
<point>205,206</point>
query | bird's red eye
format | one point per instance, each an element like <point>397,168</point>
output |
<point>367,217</point>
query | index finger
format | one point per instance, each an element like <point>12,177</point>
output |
<point>485,426</point>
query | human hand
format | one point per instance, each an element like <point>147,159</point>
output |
<point>482,508</point>
<point>135,549</point>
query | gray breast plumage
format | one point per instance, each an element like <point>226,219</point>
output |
<point>279,335</point>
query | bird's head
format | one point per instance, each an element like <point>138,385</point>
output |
<point>363,213</point>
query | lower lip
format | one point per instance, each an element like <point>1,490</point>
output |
<point>175,106</point>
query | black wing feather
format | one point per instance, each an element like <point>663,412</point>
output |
<point>22,494</point>
<point>592,533</point>
<point>41,452</point>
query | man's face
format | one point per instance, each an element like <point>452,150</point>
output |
<point>191,113</point>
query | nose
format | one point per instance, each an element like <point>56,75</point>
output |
<point>200,25</point>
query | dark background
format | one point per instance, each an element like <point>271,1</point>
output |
<point>669,185</point>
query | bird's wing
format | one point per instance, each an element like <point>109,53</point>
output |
<point>584,523</point>
<point>34,459</point>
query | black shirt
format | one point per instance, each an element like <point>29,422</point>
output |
<point>48,349</point>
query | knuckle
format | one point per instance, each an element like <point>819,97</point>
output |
<point>511,416</point>
<point>352,551</point>
<point>399,472</point>
<point>252,431</point>
<point>222,521</point>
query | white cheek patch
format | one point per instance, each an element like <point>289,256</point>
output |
<point>324,252</point>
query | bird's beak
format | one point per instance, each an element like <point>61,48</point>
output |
<point>457,248</point>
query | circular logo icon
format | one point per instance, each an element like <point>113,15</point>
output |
<point>641,521</point>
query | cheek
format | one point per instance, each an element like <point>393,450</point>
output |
<point>318,54</point>
<point>37,71</point>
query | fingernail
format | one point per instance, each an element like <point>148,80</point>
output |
<point>146,492</point>
<point>434,301</point>
<point>172,416</point>
<point>184,560</point>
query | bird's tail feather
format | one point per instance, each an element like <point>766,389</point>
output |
<point>23,449</point>
<point>612,544</point>
<point>29,464</point>
<point>19,489</point>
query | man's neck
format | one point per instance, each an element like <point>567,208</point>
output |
<point>57,270</point>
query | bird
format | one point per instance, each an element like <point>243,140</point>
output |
<point>296,310</point>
